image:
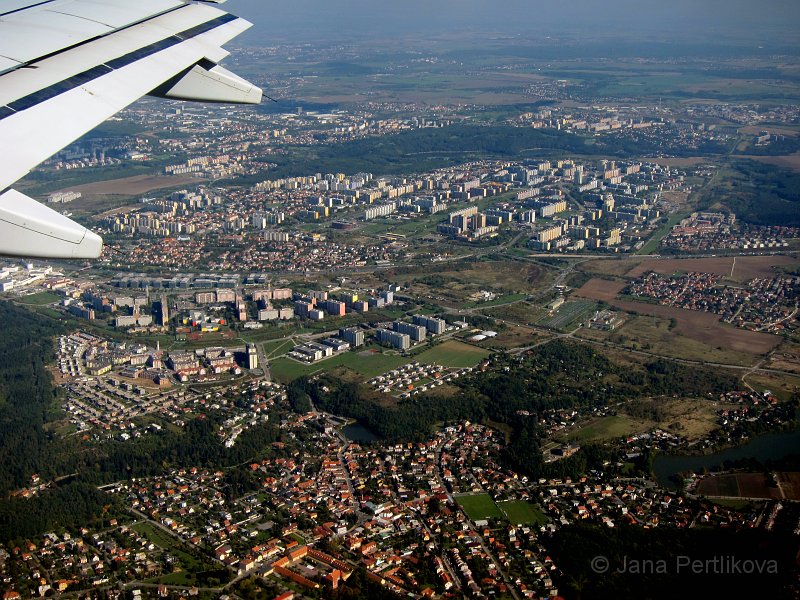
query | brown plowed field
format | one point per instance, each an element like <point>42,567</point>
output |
<point>601,289</point>
<point>747,267</point>
<point>133,186</point>
<point>751,485</point>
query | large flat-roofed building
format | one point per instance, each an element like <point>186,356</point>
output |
<point>401,341</point>
<point>432,324</point>
<point>415,332</point>
<point>353,336</point>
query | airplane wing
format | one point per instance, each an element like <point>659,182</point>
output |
<point>68,65</point>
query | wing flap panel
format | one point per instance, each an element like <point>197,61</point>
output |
<point>213,84</point>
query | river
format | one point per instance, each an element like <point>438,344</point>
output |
<point>769,446</point>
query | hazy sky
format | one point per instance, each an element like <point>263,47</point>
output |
<point>327,19</point>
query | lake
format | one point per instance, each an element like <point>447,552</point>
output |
<point>355,432</point>
<point>770,446</point>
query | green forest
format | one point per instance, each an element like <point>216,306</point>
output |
<point>760,194</point>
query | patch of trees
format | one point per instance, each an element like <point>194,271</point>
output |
<point>73,505</point>
<point>26,397</point>
<point>197,444</point>
<point>645,409</point>
<point>424,150</point>
<point>762,194</point>
<point>299,400</point>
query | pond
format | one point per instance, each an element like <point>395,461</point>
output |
<point>770,446</point>
<point>356,432</point>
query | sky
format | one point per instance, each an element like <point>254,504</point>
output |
<point>331,19</point>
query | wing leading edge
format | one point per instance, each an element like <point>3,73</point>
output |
<point>49,99</point>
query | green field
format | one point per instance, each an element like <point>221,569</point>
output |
<point>158,537</point>
<point>479,506</point>
<point>453,353</point>
<point>365,363</point>
<point>522,512</point>
<point>278,348</point>
<point>40,299</point>
<point>606,428</point>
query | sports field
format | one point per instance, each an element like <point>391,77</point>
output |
<point>479,506</point>
<point>453,353</point>
<point>522,512</point>
<point>40,299</point>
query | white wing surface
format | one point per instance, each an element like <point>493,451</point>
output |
<point>68,65</point>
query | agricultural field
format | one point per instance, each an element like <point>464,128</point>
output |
<point>453,353</point>
<point>479,506</point>
<point>744,269</point>
<point>522,512</point>
<point>706,328</point>
<point>604,290</point>
<point>752,485</point>
<point>614,267</point>
<point>132,186</point>
<point>702,327</point>
<point>660,336</point>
